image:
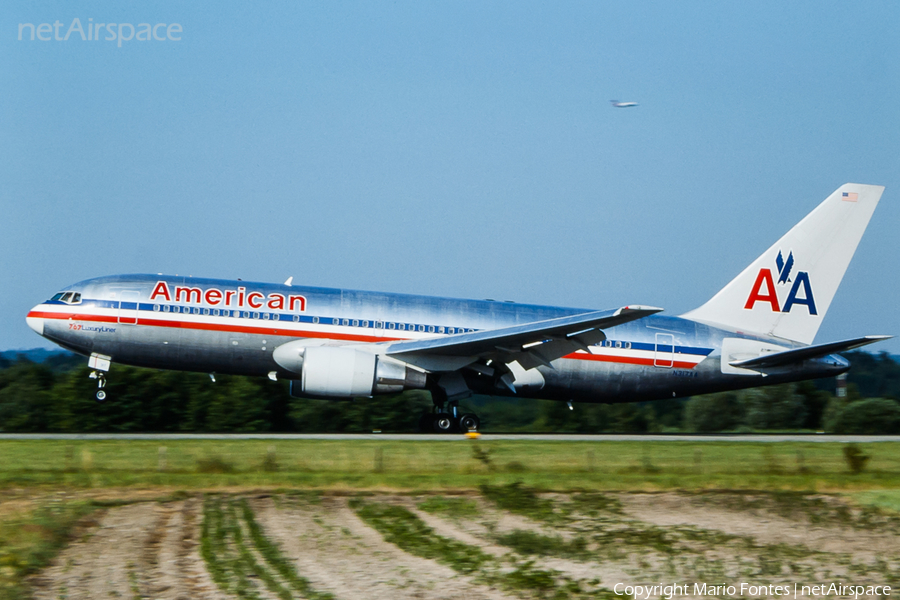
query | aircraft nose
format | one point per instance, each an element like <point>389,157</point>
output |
<point>35,322</point>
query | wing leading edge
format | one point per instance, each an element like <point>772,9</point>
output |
<point>530,344</point>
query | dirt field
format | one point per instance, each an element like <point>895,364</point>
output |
<point>506,542</point>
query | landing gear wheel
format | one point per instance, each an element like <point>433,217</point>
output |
<point>443,423</point>
<point>469,422</point>
<point>101,395</point>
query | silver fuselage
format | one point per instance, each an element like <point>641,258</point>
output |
<point>233,327</point>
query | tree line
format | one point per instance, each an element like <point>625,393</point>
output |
<point>57,395</point>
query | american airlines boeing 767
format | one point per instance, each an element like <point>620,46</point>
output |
<point>335,343</point>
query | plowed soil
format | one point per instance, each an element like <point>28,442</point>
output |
<point>153,549</point>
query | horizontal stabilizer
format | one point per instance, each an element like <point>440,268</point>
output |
<point>788,357</point>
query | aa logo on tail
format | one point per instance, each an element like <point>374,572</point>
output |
<point>764,289</point>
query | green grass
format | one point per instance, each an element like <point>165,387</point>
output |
<point>455,508</point>
<point>442,465</point>
<point>30,540</point>
<point>529,542</point>
<point>402,528</point>
<point>886,499</point>
<point>517,498</point>
<point>276,559</point>
<point>231,558</point>
<point>593,504</point>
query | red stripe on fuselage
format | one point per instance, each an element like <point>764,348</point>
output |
<point>631,360</point>
<point>316,334</point>
<point>147,322</point>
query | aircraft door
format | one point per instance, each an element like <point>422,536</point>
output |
<point>664,355</point>
<point>128,307</point>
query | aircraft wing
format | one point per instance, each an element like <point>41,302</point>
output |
<point>781,359</point>
<point>530,344</point>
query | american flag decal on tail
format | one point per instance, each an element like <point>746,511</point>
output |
<point>849,196</point>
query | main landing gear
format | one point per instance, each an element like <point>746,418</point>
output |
<point>446,416</point>
<point>440,421</point>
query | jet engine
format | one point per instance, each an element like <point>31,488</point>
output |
<point>344,372</point>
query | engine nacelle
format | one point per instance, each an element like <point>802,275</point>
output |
<point>345,372</point>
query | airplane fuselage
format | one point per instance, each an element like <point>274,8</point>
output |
<point>235,327</point>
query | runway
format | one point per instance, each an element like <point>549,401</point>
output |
<point>487,437</point>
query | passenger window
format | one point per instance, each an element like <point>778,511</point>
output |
<point>390,325</point>
<point>618,344</point>
<point>166,308</point>
<point>315,319</point>
<point>205,311</point>
<point>431,329</point>
<point>421,328</point>
<point>266,316</point>
<point>628,345</point>
<point>365,323</point>
<point>379,325</point>
<point>215,312</point>
<point>156,308</point>
<point>356,322</point>
<point>401,326</point>
<point>196,311</point>
<point>345,322</point>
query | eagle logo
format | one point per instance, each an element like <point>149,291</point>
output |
<point>784,267</point>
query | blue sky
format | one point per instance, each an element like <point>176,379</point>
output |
<point>460,149</point>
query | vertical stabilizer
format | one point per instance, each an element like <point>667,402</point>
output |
<point>787,291</point>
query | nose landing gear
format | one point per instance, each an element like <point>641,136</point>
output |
<point>100,363</point>
<point>101,383</point>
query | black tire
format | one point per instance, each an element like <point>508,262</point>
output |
<point>469,422</point>
<point>443,423</point>
<point>426,423</point>
<point>101,395</point>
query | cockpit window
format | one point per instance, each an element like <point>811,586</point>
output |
<point>67,297</point>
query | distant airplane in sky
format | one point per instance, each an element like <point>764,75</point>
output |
<point>336,343</point>
<point>618,104</point>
